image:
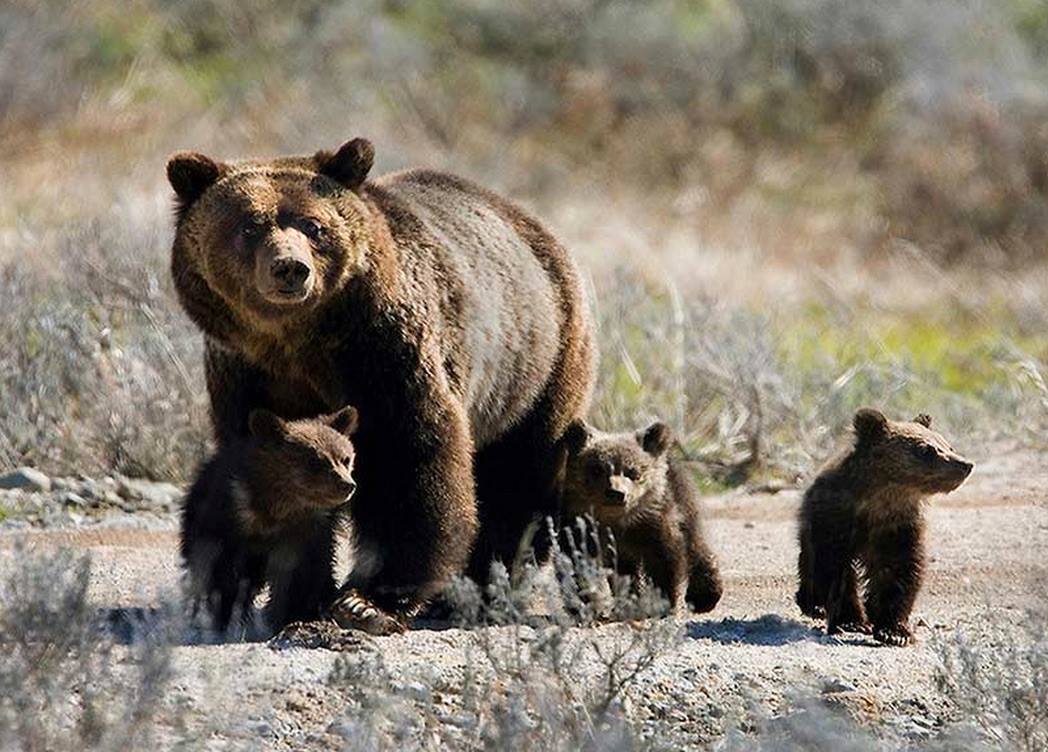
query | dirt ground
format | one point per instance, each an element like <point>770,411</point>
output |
<point>988,544</point>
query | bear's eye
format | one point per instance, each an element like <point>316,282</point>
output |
<point>926,452</point>
<point>310,228</point>
<point>595,470</point>
<point>252,229</point>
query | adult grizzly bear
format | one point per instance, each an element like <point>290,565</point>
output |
<point>864,509</point>
<point>454,322</point>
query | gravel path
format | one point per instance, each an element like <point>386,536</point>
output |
<point>988,543</point>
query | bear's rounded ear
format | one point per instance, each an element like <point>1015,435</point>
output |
<point>190,174</point>
<point>656,439</point>
<point>265,424</point>
<point>576,436</point>
<point>869,424</point>
<point>344,421</point>
<point>349,165</point>
<point>924,419</point>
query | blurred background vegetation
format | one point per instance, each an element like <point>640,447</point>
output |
<point>784,208</point>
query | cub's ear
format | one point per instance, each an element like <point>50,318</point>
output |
<point>656,439</point>
<point>924,419</point>
<point>869,424</point>
<point>190,174</point>
<point>576,436</point>
<point>265,425</point>
<point>344,421</point>
<point>349,165</point>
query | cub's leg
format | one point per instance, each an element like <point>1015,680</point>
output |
<point>894,571</point>
<point>662,555</point>
<point>300,573</point>
<point>828,576</point>
<point>811,601</point>
<point>834,568</point>
<point>224,570</point>
<point>844,611</point>
<point>704,582</point>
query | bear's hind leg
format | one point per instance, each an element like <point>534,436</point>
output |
<point>844,611</point>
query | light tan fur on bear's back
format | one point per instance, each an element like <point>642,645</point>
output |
<point>497,282</point>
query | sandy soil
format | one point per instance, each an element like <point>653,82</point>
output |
<point>988,543</point>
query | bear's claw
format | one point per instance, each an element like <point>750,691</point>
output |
<point>896,636</point>
<point>351,610</point>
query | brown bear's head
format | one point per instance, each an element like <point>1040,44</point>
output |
<point>610,475</point>
<point>907,454</point>
<point>264,241</point>
<point>300,465</point>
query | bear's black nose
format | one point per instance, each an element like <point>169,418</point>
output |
<point>291,273</point>
<point>615,496</point>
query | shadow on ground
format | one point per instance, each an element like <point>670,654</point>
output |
<point>767,630</point>
<point>131,625</point>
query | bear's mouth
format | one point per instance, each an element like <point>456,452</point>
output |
<point>283,296</point>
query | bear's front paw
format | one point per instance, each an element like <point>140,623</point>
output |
<point>862,627</point>
<point>896,635</point>
<point>351,610</point>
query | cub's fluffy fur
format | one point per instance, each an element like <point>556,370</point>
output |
<point>862,519</point>
<point>261,508</point>
<point>632,489</point>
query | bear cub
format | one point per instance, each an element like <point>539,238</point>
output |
<point>260,508</point>
<point>861,522</point>
<point>632,489</point>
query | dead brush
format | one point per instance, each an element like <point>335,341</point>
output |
<point>64,684</point>
<point>532,679</point>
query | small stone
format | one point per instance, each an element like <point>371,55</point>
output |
<point>26,479</point>
<point>416,691</point>
<point>159,494</point>
<point>832,686</point>
<point>71,499</point>
<point>90,490</point>
<point>258,727</point>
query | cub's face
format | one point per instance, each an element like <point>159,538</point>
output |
<point>610,475</point>
<point>308,462</point>
<point>272,238</point>
<point>909,453</point>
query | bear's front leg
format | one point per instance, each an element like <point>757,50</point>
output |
<point>894,571</point>
<point>414,517</point>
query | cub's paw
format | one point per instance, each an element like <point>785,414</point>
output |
<point>351,610</point>
<point>862,627</point>
<point>897,635</point>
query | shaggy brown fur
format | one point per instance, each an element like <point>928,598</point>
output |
<point>453,320</point>
<point>258,505</point>
<point>632,489</point>
<point>862,518</point>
